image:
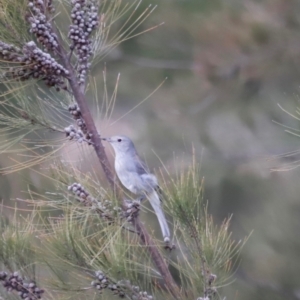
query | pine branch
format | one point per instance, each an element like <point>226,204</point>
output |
<point>156,256</point>
<point>73,238</point>
<point>146,239</point>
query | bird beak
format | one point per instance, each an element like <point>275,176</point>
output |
<point>106,139</point>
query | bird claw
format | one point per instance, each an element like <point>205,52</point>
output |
<point>140,199</point>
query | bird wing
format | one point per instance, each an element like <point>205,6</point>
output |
<point>141,167</point>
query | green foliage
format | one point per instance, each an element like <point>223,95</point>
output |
<point>205,248</point>
<point>25,119</point>
<point>73,242</point>
<point>13,26</point>
<point>17,250</point>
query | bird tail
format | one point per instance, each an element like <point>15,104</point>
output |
<point>156,204</point>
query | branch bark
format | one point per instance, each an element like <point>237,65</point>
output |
<point>88,119</point>
<point>156,257</point>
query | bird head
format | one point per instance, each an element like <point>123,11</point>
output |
<point>120,143</point>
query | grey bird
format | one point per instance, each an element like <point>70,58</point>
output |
<point>135,176</point>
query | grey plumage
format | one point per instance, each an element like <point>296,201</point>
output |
<point>135,176</point>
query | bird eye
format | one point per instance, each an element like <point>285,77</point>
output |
<point>119,140</point>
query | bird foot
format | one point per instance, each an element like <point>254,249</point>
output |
<point>140,199</point>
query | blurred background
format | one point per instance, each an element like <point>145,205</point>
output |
<point>229,64</point>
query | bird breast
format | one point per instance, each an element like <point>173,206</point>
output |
<point>130,179</point>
